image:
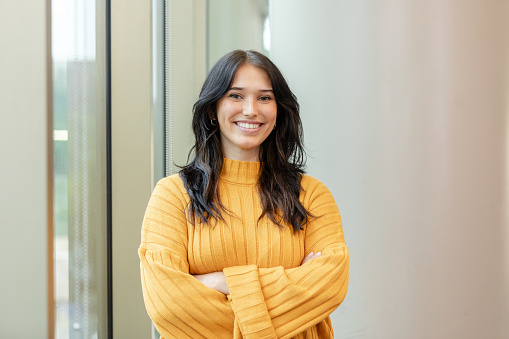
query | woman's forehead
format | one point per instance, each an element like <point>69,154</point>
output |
<point>249,76</point>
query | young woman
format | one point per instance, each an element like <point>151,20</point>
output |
<point>241,243</point>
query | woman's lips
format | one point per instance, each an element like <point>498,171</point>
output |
<point>247,125</point>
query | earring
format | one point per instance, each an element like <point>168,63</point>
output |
<point>212,122</point>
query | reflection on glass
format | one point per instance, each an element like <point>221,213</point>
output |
<point>266,35</point>
<point>78,39</point>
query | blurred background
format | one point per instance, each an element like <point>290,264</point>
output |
<point>405,112</point>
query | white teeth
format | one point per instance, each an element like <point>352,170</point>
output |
<point>246,125</point>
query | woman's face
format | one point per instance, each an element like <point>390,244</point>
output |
<point>246,114</point>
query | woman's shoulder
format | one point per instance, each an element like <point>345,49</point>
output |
<point>312,182</point>
<point>171,184</point>
<point>312,187</point>
<point>173,179</point>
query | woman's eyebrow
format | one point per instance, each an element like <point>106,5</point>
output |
<point>242,88</point>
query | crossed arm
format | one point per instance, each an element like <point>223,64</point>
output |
<point>217,280</point>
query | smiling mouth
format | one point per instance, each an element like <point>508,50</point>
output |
<point>248,126</point>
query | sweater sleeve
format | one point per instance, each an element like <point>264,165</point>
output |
<point>278,302</point>
<point>179,305</point>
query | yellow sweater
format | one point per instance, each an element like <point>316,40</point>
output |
<point>271,294</point>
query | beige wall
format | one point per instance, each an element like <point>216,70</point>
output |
<point>405,108</point>
<point>131,53</point>
<point>24,198</point>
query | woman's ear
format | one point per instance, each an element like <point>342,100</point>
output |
<point>212,118</point>
<point>212,114</point>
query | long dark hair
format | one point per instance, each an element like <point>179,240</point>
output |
<point>282,156</point>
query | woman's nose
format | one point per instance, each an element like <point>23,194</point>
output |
<point>249,107</point>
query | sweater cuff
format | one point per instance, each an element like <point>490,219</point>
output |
<point>248,302</point>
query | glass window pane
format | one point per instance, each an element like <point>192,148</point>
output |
<point>80,243</point>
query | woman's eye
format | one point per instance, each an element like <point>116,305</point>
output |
<point>235,96</point>
<point>265,98</point>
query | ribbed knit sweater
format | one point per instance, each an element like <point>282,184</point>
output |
<point>271,294</point>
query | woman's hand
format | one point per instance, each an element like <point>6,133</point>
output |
<point>215,280</point>
<point>311,256</point>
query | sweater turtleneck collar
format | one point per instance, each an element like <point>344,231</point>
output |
<point>240,172</point>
